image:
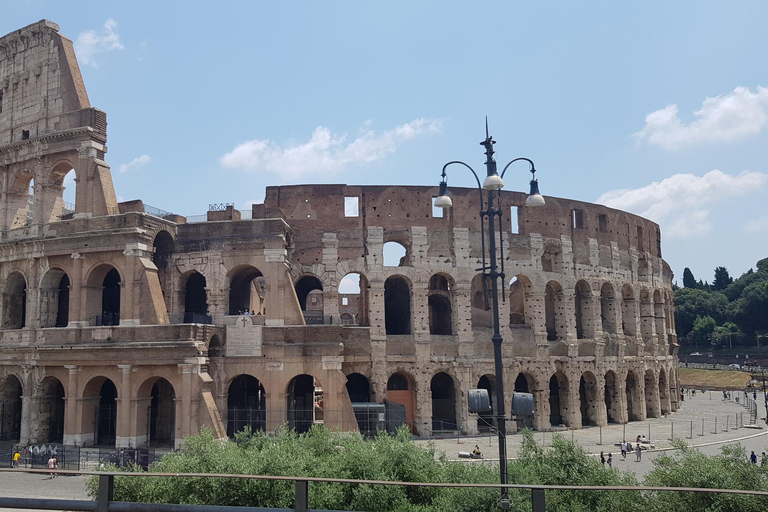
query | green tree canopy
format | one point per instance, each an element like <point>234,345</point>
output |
<point>722,279</point>
<point>688,280</point>
<point>691,303</point>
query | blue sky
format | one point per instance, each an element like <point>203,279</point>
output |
<point>659,108</point>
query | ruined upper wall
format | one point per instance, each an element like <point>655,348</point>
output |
<point>41,88</point>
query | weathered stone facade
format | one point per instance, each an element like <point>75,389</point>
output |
<point>126,326</point>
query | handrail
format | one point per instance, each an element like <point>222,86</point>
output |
<point>106,487</point>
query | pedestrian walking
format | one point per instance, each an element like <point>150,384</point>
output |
<point>753,457</point>
<point>16,457</point>
<point>624,450</point>
<point>610,461</point>
<point>638,452</point>
<point>52,465</point>
<point>602,458</point>
<point>754,395</point>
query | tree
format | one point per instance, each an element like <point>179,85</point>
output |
<point>688,280</point>
<point>722,279</point>
<point>703,327</point>
<point>691,303</point>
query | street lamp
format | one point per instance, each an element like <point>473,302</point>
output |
<point>490,209</point>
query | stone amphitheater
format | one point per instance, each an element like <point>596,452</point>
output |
<point>358,307</point>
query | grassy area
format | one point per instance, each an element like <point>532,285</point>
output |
<point>713,379</point>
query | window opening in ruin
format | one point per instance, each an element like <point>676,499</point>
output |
<point>163,250</point>
<point>633,412</point>
<point>10,409</point>
<point>215,347</point>
<point>611,397</point>
<point>549,312</point>
<point>24,134</point>
<point>588,399</point>
<point>628,318</point>
<point>513,220</point>
<point>481,306</point>
<point>353,300</point>
<point>577,216</point>
<point>666,406</point>
<point>246,405</point>
<point>51,424</point>
<point>440,306</point>
<point>352,206</point>
<point>246,291</point>
<point>400,395</point>
<point>358,388</point>
<point>162,415</point>
<point>397,382</point>
<point>62,302</point>
<point>196,300</point>
<point>608,309</point>
<point>309,291</point>
<point>517,302</point>
<point>443,403</point>
<point>557,402</point>
<point>395,255</point>
<point>485,421</point>
<point>397,306</point>
<point>640,238</point>
<point>437,212</point>
<point>602,223</point>
<point>106,415</point>
<point>546,261</point>
<point>15,302</point>
<point>651,396</point>
<point>29,216</point>
<point>305,403</point>
<point>521,384</point>
<point>110,299</point>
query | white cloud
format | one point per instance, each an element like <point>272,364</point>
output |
<point>324,154</point>
<point>680,201</point>
<point>728,118</point>
<point>136,162</point>
<point>90,42</point>
<point>757,225</point>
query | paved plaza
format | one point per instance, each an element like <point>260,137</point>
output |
<point>705,405</point>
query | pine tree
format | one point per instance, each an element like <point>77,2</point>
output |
<point>688,280</point>
<point>722,279</point>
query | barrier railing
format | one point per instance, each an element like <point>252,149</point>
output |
<point>106,503</point>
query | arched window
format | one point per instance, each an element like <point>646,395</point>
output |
<point>110,299</point>
<point>196,300</point>
<point>309,291</point>
<point>554,311</point>
<point>50,424</point>
<point>10,403</point>
<point>395,255</point>
<point>54,299</point>
<point>246,291</point>
<point>440,305</point>
<point>443,403</point>
<point>246,405</point>
<point>397,306</point>
<point>519,288</point>
<point>358,388</point>
<point>305,403</point>
<point>353,299</point>
<point>481,305</point>
<point>15,301</point>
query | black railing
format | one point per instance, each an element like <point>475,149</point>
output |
<point>220,207</point>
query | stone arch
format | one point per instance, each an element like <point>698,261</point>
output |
<point>440,301</point>
<point>397,305</point>
<point>56,205</point>
<point>21,199</point>
<point>486,421</point>
<point>395,254</point>
<point>589,400</point>
<point>353,299</point>
<point>558,399</point>
<point>520,289</point>
<point>480,304</point>
<point>652,405</point>
<point>99,412</point>
<point>216,347</point>
<point>526,383</point>
<point>443,393</point>
<point>10,409</point>
<point>554,311</point>
<point>309,291</point>
<point>163,248</point>
<point>612,398</point>
<point>103,295</point>
<point>51,412</point>
<point>628,311</point>
<point>54,298</point>
<point>608,308</point>
<point>664,394</point>
<point>246,290</point>
<point>582,300</point>
<point>401,390</point>
<point>194,285</point>
<point>632,389</point>
<point>305,403</point>
<point>358,388</point>
<point>156,413</point>
<point>246,405</point>
<point>15,301</point>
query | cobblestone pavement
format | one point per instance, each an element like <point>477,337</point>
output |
<point>707,406</point>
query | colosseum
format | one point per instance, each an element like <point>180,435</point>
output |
<point>124,325</point>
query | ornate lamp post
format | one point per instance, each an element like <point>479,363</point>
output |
<point>490,212</point>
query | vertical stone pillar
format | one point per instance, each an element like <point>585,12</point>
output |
<point>536,316</point>
<point>565,316</point>
<point>621,398</point>
<point>27,405</point>
<point>126,424</point>
<point>71,422</point>
<point>276,282</point>
<point>601,411</point>
<point>186,401</point>
<point>77,308</point>
<point>541,409</point>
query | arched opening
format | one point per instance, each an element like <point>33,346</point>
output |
<point>163,251</point>
<point>395,255</point>
<point>633,403</point>
<point>554,311</point>
<point>15,301</point>
<point>440,305</point>
<point>481,305</point>
<point>547,263</point>
<point>309,291</point>
<point>68,195</point>
<point>524,383</point>
<point>612,397</point>
<point>50,427</point>
<point>246,291</point>
<point>583,306</point>
<point>305,403</point>
<point>353,299</point>
<point>54,299</point>
<point>162,415</point>
<point>608,308</point>
<point>196,300</point>
<point>358,388</point>
<point>110,299</point>
<point>588,399</point>
<point>216,347</point>
<point>558,400</point>
<point>21,199</point>
<point>397,305</point>
<point>628,318</point>
<point>652,405</point>
<point>443,403</point>
<point>100,412</point>
<point>401,395</point>
<point>519,288</point>
<point>246,405</point>
<point>10,409</point>
<point>60,194</point>
<point>647,318</point>
<point>666,406</point>
<point>486,421</point>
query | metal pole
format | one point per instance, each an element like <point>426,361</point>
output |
<point>601,435</point>
<point>673,430</point>
<point>702,426</point>
<point>624,435</point>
